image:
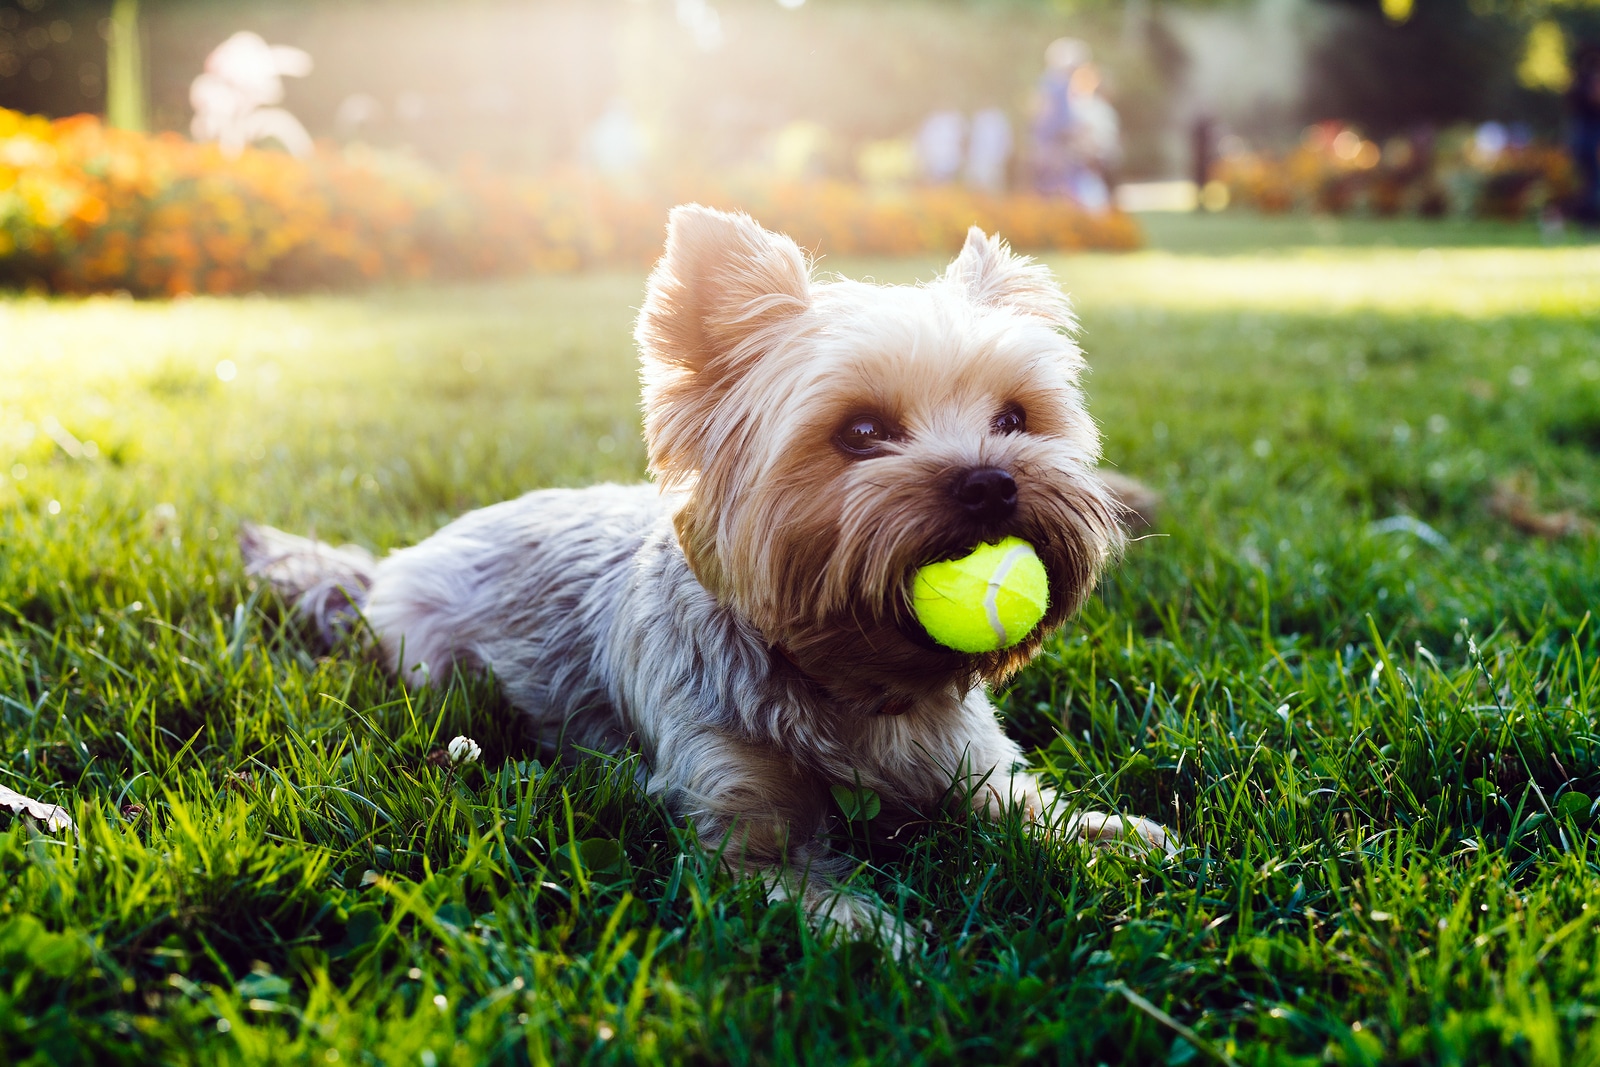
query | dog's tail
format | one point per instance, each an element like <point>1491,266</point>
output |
<point>327,585</point>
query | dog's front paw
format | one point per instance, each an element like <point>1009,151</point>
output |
<point>995,798</point>
<point>853,917</point>
<point>838,914</point>
<point>1106,830</point>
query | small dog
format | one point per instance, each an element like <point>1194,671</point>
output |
<point>744,623</point>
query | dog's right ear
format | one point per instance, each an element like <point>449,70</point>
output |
<point>724,292</point>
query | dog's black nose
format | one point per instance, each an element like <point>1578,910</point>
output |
<point>987,493</point>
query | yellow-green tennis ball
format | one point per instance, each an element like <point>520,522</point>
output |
<point>986,600</point>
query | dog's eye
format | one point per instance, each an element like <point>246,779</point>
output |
<point>862,434</point>
<point>1012,420</point>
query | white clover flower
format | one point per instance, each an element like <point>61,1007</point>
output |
<point>463,749</point>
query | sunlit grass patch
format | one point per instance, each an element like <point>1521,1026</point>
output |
<point>1475,283</point>
<point>1379,739</point>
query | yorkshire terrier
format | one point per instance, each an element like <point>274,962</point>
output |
<point>744,622</point>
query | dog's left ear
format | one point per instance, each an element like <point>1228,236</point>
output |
<point>993,276</point>
<point>723,294</point>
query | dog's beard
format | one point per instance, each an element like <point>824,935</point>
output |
<point>826,574</point>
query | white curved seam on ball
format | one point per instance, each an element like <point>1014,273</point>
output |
<point>996,580</point>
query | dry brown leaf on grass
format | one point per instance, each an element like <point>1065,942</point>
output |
<point>53,816</point>
<point>1514,504</point>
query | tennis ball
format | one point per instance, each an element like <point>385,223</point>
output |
<point>990,598</point>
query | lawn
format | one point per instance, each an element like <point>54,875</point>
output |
<point>1364,697</point>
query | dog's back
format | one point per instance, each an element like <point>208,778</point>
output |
<point>527,588</point>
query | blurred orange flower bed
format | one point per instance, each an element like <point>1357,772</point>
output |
<point>1335,169</point>
<point>84,208</point>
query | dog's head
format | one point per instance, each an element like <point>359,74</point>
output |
<point>831,437</point>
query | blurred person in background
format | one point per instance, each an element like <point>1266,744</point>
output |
<point>941,146</point>
<point>1077,140</point>
<point>1097,140</point>
<point>1583,135</point>
<point>990,150</point>
<point>1052,116</point>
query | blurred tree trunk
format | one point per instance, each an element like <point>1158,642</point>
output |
<point>125,89</point>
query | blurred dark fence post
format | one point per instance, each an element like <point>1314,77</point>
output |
<point>1204,141</point>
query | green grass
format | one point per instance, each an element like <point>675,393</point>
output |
<point>1241,232</point>
<point>1382,753</point>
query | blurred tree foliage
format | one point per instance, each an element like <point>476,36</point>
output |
<point>1446,61</point>
<point>53,55</point>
